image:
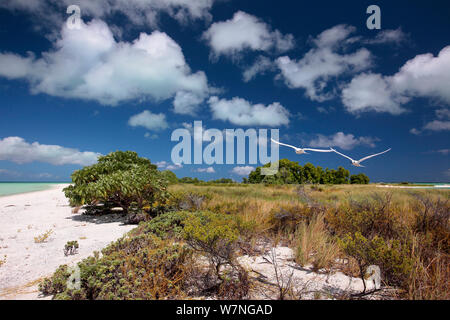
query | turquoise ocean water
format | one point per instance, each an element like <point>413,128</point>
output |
<point>7,188</point>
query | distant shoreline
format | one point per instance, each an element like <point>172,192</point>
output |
<point>414,186</point>
<point>28,187</point>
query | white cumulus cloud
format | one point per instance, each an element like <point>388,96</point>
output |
<point>242,171</point>
<point>148,120</point>
<point>393,36</point>
<point>442,123</point>
<point>260,66</point>
<point>424,76</point>
<point>438,125</point>
<point>89,64</point>
<point>17,150</point>
<point>342,140</point>
<point>206,170</point>
<point>371,92</point>
<point>241,112</point>
<point>168,166</point>
<point>323,63</point>
<point>187,102</point>
<point>245,32</point>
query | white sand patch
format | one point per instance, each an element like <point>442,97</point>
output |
<point>26,216</point>
<point>306,283</point>
<point>443,186</point>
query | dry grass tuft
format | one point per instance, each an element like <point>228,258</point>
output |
<point>43,237</point>
<point>315,245</point>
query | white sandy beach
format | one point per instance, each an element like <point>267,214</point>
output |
<point>306,283</point>
<point>25,216</point>
<point>444,186</point>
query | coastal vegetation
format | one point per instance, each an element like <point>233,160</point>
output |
<point>290,172</point>
<point>123,180</point>
<point>71,247</point>
<point>43,237</point>
<point>190,246</point>
<point>3,260</point>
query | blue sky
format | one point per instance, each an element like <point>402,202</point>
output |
<point>137,70</point>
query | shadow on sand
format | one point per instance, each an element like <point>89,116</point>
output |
<point>100,219</point>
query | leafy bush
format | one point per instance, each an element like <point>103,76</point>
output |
<point>215,235</point>
<point>134,267</point>
<point>393,257</point>
<point>71,247</point>
<point>359,179</point>
<point>189,180</point>
<point>170,177</point>
<point>120,179</point>
<point>57,283</point>
<point>370,217</point>
<point>222,181</point>
<point>166,225</point>
<point>433,220</point>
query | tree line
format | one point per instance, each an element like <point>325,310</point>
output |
<point>291,172</point>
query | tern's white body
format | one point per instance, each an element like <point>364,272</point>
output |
<point>358,163</point>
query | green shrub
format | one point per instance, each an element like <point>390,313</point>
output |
<point>393,257</point>
<point>215,235</point>
<point>71,247</point>
<point>360,178</point>
<point>189,180</point>
<point>433,222</point>
<point>120,179</point>
<point>166,225</point>
<point>291,172</point>
<point>57,283</point>
<point>170,177</point>
<point>134,267</point>
<point>371,217</point>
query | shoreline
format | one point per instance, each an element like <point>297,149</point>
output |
<point>50,186</point>
<point>433,187</point>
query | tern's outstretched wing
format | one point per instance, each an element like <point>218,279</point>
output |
<point>343,155</point>
<point>374,155</point>
<point>317,150</point>
<point>286,145</point>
